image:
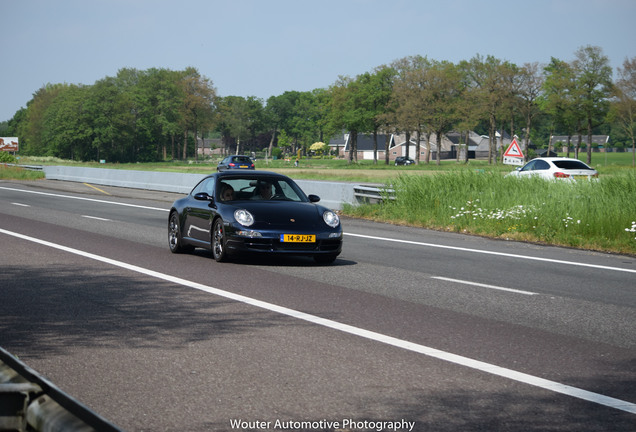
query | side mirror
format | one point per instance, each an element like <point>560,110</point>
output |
<point>313,198</point>
<point>203,196</point>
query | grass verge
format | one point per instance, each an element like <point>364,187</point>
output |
<point>598,215</point>
<point>16,173</point>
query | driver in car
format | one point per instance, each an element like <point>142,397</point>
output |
<point>263,191</point>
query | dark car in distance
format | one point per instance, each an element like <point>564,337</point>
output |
<point>235,162</point>
<point>403,160</point>
<point>233,213</point>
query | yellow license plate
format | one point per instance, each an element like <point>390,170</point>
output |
<point>298,238</point>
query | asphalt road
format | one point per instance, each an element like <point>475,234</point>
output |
<point>409,329</point>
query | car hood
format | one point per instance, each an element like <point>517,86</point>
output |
<point>273,214</point>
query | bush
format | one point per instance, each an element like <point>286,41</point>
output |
<point>6,157</point>
<point>277,152</point>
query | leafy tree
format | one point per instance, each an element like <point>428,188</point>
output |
<point>375,93</point>
<point>110,113</point>
<point>407,102</point>
<point>284,141</point>
<point>31,140</point>
<point>196,110</point>
<point>593,83</point>
<point>347,113</point>
<point>486,77</point>
<point>279,111</point>
<point>443,94</point>
<point>303,123</point>
<point>162,98</point>
<point>470,108</point>
<point>623,110</point>
<point>239,120</point>
<point>509,112</point>
<point>559,99</point>
<point>530,86</point>
<point>66,126</point>
<point>322,101</point>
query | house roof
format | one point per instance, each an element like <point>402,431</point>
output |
<point>364,141</point>
<point>458,138</point>
<point>450,139</point>
<point>338,140</point>
<point>447,144</point>
<point>545,153</point>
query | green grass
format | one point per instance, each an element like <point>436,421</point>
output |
<point>16,173</point>
<point>594,215</point>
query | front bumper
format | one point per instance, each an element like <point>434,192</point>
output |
<point>272,245</point>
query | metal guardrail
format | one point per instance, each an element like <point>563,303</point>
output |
<point>29,402</point>
<point>29,167</point>
<point>371,194</point>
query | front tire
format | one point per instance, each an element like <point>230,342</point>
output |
<point>218,241</point>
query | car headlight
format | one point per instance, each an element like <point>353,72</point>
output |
<point>244,217</point>
<point>331,218</point>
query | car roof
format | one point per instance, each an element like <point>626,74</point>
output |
<point>556,158</point>
<point>553,160</point>
<point>248,173</point>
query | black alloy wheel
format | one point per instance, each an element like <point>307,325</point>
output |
<point>218,241</point>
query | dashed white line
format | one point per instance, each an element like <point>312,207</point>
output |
<point>85,199</point>
<point>486,252</point>
<point>20,204</point>
<point>346,328</point>
<point>96,218</point>
<point>485,285</point>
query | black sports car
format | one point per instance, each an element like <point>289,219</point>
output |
<point>234,212</point>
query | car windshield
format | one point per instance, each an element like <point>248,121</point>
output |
<point>571,164</point>
<point>242,159</point>
<point>247,187</point>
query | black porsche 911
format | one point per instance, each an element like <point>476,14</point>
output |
<point>237,212</point>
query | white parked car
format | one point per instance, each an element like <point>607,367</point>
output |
<point>552,168</point>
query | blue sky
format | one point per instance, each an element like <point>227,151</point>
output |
<point>263,48</point>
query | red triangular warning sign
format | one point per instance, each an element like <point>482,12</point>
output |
<point>514,150</point>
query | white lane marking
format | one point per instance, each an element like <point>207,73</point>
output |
<point>96,218</point>
<point>346,328</point>
<point>365,236</point>
<point>85,199</point>
<point>509,255</point>
<point>20,204</point>
<point>485,285</point>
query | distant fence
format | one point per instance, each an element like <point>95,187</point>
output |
<point>332,194</point>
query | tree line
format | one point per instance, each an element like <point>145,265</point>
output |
<point>160,114</point>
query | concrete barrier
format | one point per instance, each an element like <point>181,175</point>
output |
<point>332,194</point>
<point>150,180</point>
